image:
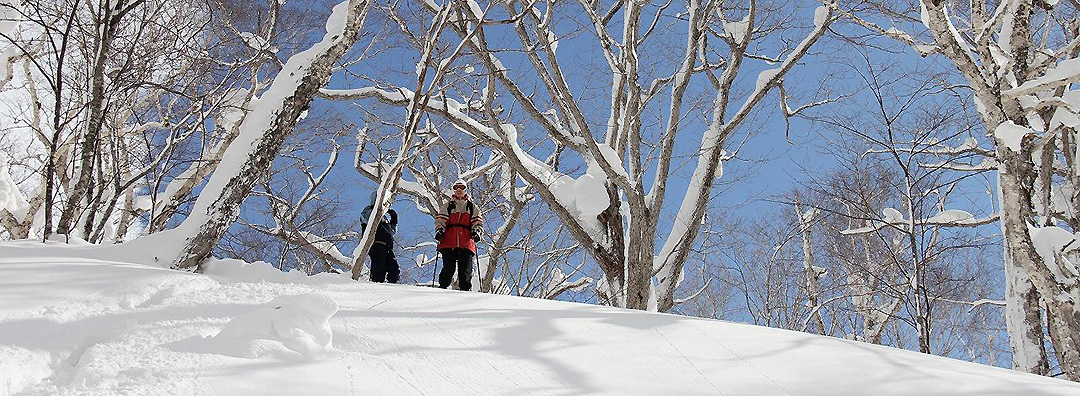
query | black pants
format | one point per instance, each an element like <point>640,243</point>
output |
<point>461,259</point>
<point>384,266</point>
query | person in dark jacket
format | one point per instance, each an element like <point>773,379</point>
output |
<point>457,228</point>
<point>384,265</point>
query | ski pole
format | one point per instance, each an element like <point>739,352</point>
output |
<point>435,268</point>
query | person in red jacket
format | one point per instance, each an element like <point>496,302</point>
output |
<point>457,228</point>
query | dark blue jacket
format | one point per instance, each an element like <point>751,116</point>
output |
<point>387,226</point>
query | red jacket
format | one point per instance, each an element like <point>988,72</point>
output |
<point>456,220</point>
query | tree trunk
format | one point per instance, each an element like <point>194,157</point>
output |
<point>613,262</point>
<point>91,139</point>
<point>288,96</point>
<point>812,293</point>
<point>639,258</point>
<point>1023,318</point>
<point>1017,177</point>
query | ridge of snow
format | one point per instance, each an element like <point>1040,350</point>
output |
<point>111,327</point>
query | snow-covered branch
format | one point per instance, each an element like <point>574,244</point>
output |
<point>949,218</point>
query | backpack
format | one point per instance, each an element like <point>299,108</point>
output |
<point>468,207</point>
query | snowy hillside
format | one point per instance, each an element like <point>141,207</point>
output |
<point>71,325</point>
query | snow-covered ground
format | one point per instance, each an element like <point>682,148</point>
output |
<point>72,324</point>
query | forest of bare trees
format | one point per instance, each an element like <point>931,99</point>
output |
<point>627,153</point>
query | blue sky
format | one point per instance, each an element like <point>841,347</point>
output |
<point>769,164</point>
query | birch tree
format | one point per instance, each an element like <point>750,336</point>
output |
<point>150,94</point>
<point>903,125</point>
<point>620,232</point>
<point>517,257</point>
<point>1019,59</point>
<point>261,134</point>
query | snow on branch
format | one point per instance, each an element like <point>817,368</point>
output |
<point>973,304</point>
<point>495,160</point>
<point>1066,72</point>
<point>12,201</point>
<point>948,218</point>
<point>692,207</point>
<point>923,49</point>
<point>576,195</point>
<point>1054,244</point>
<point>987,164</point>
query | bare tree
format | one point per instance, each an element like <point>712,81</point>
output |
<point>621,232</point>
<point>149,92</point>
<point>262,132</point>
<point>1018,58</point>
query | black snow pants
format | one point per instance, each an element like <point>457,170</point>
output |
<point>461,259</point>
<point>384,265</point>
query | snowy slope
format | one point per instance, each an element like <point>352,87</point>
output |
<point>84,326</point>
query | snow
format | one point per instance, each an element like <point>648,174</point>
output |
<point>79,326</point>
<point>1011,134</point>
<point>9,21</point>
<point>167,245</point>
<point>979,105</point>
<point>1065,115</point>
<point>737,29</point>
<point>11,199</point>
<point>553,40</point>
<point>1001,59</point>
<point>289,327</point>
<point>808,216</point>
<point>476,10</point>
<point>924,14</point>
<point>5,64</point>
<point>892,216</point>
<point>256,42</point>
<point>969,144</point>
<point>585,195</point>
<point>893,32</point>
<point>821,14</point>
<point>1066,72</point>
<point>1050,242</point>
<point>764,77</point>
<point>924,49</point>
<point>951,216</point>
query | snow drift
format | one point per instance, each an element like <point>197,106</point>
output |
<point>91,326</point>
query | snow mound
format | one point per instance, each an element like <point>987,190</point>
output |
<point>233,270</point>
<point>294,328</point>
<point>20,368</point>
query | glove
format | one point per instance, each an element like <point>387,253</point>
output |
<point>439,234</point>
<point>393,216</point>
<point>475,233</point>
